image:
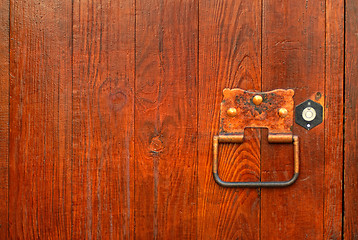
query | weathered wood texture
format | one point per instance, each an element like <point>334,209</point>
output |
<point>334,95</point>
<point>4,116</point>
<point>293,56</point>
<point>40,120</point>
<point>229,57</point>
<point>166,119</point>
<point>351,122</point>
<point>103,97</point>
<point>114,104</point>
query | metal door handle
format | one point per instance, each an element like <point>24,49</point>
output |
<point>271,139</point>
<point>242,109</point>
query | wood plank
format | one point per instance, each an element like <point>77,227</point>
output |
<point>229,57</point>
<point>40,107</point>
<point>4,116</point>
<point>166,119</point>
<point>351,116</point>
<point>103,81</point>
<point>294,57</point>
<point>334,93</point>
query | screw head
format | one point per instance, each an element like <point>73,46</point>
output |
<point>231,112</point>
<point>283,112</point>
<point>257,100</point>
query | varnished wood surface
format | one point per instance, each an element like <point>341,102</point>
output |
<point>334,92</point>
<point>4,116</point>
<point>103,125</point>
<point>351,116</point>
<point>229,57</point>
<point>39,195</point>
<point>40,93</point>
<point>293,56</point>
<point>165,201</point>
<point>108,110</point>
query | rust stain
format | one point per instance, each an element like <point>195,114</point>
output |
<point>264,115</point>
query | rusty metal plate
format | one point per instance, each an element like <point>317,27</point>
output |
<point>242,109</point>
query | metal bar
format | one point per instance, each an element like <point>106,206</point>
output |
<point>274,139</point>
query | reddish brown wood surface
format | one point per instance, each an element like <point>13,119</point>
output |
<point>4,115</point>
<point>333,163</point>
<point>108,111</point>
<point>103,97</point>
<point>229,57</point>
<point>351,116</point>
<point>293,54</point>
<point>166,119</point>
<point>40,93</point>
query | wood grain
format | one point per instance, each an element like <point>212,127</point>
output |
<point>103,97</point>
<point>108,111</point>
<point>351,116</point>
<point>334,93</point>
<point>293,56</point>
<point>4,116</point>
<point>166,119</point>
<point>40,107</point>
<point>229,57</point>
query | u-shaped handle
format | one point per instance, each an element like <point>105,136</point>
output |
<point>271,139</point>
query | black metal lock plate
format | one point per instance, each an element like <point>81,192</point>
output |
<point>309,114</point>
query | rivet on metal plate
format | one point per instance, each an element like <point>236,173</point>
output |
<point>283,112</point>
<point>231,112</point>
<point>257,100</point>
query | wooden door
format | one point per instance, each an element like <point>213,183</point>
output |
<point>108,111</point>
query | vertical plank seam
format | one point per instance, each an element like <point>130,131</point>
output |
<point>59,148</point>
<point>325,121</point>
<point>197,120</point>
<point>71,144</point>
<point>8,126</point>
<point>344,114</point>
<point>260,131</point>
<point>134,118</point>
